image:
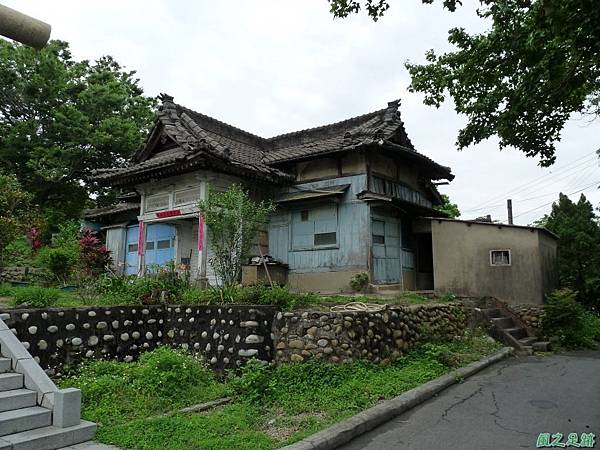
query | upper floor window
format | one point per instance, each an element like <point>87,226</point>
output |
<point>315,228</point>
<point>500,258</point>
<point>186,197</point>
<point>156,202</point>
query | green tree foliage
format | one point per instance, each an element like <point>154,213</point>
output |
<point>579,253</point>
<point>537,63</point>
<point>13,208</point>
<point>60,119</point>
<point>451,209</point>
<point>233,221</point>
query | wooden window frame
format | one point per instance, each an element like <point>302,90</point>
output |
<point>508,250</point>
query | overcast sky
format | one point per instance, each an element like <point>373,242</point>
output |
<point>276,66</point>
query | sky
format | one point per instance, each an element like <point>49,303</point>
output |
<point>274,66</point>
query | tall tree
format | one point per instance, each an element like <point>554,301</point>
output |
<point>579,253</point>
<point>448,207</point>
<point>60,119</point>
<point>538,63</point>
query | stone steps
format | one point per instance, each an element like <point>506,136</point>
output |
<point>34,413</point>
<point>506,329</point>
<point>49,438</point>
<point>17,399</point>
<point>10,381</point>
<point>24,419</point>
<point>503,322</point>
<point>5,365</point>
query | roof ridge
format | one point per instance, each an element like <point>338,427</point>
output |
<point>187,110</point>
<point>339,123</point>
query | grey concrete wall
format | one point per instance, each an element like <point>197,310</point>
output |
<point>462,261</point>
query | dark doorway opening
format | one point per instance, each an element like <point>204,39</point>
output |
<point>424,262</point>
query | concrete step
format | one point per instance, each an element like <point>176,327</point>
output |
<point>517,332</point>
<point>24,419</point>
<point>503,322</point>
<point>528,341</point>
<point>10,381</point>
<point>542,346</point>
<point>17,399</point>
<point>5,365</point>
<point>379,288</point>
<point>51,438</point>
<point>492,313</point>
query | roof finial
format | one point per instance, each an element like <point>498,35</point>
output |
<point>392,110</point>
<point>165,97</point>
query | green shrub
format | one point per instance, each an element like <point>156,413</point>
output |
<point>359,281</point>
<point>568,320</point>
<point>165,371</point>
<point>37,297</point>
<point>58,261</point>
<point>18,253</point>
<point>7,290</point>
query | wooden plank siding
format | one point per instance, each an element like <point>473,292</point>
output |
<point>352,247</point>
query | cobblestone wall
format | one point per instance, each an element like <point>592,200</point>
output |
<point>225,335</point>
<point>228,335</point>
<point>530,315</point>
<point>379,337</point>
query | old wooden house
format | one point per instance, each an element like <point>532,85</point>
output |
<point>351,197</point>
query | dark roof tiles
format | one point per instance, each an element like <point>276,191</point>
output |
<point>197,134</point>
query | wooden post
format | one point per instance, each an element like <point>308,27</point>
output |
<point>510,211</point>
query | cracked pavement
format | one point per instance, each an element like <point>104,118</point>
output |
<point>504,406</point>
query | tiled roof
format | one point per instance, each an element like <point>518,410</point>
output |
<point>200,139</point>
<point>110,210</point>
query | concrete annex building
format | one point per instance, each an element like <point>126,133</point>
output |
<point>352,196</point>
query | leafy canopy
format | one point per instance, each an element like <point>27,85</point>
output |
<point>448,207</point>
<point>579,255</point>
<point>536,65</point>
<point>60,119</point>
<point>233,220</point>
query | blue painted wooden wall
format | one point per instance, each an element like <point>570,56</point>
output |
<point>353,228</point>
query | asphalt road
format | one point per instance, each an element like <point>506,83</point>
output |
<point>503,407</point>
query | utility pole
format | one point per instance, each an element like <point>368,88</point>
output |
<point>510,213</point>
<point>22,28</point>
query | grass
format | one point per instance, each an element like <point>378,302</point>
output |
<point>134,292</point>
<point>272,405</point>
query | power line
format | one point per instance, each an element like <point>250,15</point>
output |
<point>578,162</point>
<point>549,203</point>
<point>522,200</point>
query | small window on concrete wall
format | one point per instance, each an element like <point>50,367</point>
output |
<point>500,258</point>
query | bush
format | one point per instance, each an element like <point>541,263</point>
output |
<point>37,297</point>
<point>170,372</point>
<point>58,261</point>
<point>18,253</point>
<point>7,290</point>
<point>568,320</point>
<point>359,281</point>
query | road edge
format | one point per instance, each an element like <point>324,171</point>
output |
<point>343,432</point>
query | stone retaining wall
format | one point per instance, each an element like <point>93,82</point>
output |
<point>228,335</point>
<point>379,337</point>
<point>225,335</point>
<point>530,315</point>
